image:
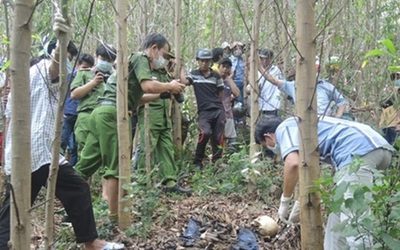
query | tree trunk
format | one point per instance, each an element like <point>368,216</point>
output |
<point>177,114</point>
<point>123,119</point>
<point>20,225</point>
<point>2,173</point>
<point>306,109</point>
<point>253,77</point>
<point>52,180</point>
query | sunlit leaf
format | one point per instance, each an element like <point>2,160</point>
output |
<point>374,52</point>
<point>390,46</point>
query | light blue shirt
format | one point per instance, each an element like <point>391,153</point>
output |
<point>270,96</point>
<point>326,93</point>
<point>340,140</point>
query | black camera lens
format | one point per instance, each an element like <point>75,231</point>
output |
<point>180,98</point>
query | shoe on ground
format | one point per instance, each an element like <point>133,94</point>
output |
<point>178,189</point>
<point>113,246</point>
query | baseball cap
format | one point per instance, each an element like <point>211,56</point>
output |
<point>236,43</point>
<point>265,53</point>
<point>225,45</point>
<point>225,60</point>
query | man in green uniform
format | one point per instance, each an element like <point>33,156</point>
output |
<point>87,86</point>
<point>101,147</point>
<point>160,132</point>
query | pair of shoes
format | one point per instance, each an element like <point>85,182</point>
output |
<point>178,189</point>
<point>113,246</point>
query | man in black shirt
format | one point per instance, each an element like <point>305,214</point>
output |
<point>208,87</point>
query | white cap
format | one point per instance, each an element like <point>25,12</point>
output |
<point>225,44</point>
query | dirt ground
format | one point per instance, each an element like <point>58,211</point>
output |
<point>221,218</point>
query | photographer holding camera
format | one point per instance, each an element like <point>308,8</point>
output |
<point>87,86</point>
<point>160,123</point>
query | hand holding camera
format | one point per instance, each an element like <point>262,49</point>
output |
<point>101,77</point>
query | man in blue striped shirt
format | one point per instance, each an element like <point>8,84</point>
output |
<point>340,141</point>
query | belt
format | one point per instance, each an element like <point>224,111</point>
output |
<point>270,112</point>
<point>107,103</point>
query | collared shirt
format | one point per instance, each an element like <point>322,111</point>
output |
<point>139,70</point>
<point>89,101</point>
<point>326,93</point>
<point>158,109</point>
<point>238,66</point>
<point>270,96</point>
<point>44,102</point>
<point>338,139</point>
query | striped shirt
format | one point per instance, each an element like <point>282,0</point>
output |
<point>44,100</point>
<point>340,140</point>
<point>207,89</point>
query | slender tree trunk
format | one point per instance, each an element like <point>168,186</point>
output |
<point>2,173</point>
<point>306,109</point>
<point>21,140</point>
<point>124,142</point>
<point>253,76</point>
<point>146,147</point>
<point>52,180</point>
<point>285,53</point>
<point>177,117</point>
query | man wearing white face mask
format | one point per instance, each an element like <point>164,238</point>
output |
<point>341,141</point>
<point>101,146</point>
<point>238,67</point>
<point>87,87</point>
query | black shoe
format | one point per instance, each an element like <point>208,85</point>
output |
<point>178,189</point>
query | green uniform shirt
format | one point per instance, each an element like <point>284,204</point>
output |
<point>139,70</point>
<point>88,102</point>
<point>158,109</point>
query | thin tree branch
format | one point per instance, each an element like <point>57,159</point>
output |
<point>286,28</point>
<point>243,19</point>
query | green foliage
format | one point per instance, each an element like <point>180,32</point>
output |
<point>372,210</point>
<point>388,50</point>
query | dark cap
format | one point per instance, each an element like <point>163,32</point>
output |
<point>266,124</point>
<point>265,53</point>
<point>225,60</point>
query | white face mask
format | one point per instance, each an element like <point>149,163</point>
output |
<point>160,62</point>
<point>237,52</point>
<point>275,149</point>
<point>104,66</point>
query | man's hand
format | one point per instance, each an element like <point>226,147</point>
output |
<point>176,86</point>
<point>283,211</point>
<point>98,78</point>
<point>294,217</point>
<point>61,26</point>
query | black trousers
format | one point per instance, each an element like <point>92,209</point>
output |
<point>74,193</point>
<point>212,126</point>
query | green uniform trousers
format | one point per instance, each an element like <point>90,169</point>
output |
<point>162,152</point>
<point>81,130</point>
<point>101,147</point>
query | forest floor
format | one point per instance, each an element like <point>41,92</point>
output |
<point>225,200</point>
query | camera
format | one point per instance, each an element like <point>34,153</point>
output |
<point>105,75</point>
<point>180,98</point>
